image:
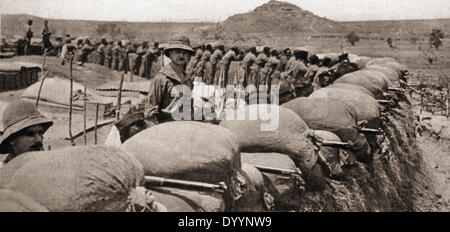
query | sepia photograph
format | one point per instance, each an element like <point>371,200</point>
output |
<point>253,106</point>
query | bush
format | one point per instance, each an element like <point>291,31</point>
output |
<point>352,37</point>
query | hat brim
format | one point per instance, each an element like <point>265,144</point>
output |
<point>178,46</point>
<point>17,127</point>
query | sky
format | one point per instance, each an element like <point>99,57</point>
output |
<point>218,10</point>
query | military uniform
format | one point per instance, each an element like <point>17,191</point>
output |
<point>244,69</point>
<point>215,59</point>
<point>224,66</point>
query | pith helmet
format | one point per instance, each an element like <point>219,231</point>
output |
<point>18,115</point>
<point>179,42</point>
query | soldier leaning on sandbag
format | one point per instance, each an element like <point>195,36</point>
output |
<point>215,59</point>
<point>23,129</point>
<point>202,69</point>
<point>244,67</point>
<point>284,58</point>
<point>259,63</point>
<point>192,63</point>
<point>224,65</point>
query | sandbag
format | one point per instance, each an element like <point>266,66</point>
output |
<point>288,136</point>
<point>367,108</point>
<point>361,61</point>
<point>390,74</point>
<point>369,79</point>
<point>398,68</point>
<point>186,150</point>
<point>13,201</point>
<point>190,151</point>
<point>179,200</point>
<point>57,90</point>
<point>352,87</point>
<point>84,178</point>
<point>331,115</point>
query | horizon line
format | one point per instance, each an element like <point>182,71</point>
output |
<point>206,21</point>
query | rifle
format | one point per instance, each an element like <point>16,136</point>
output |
<point>154,181</point>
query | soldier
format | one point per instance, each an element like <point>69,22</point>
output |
<point>260,62</point>
<point>115,51</point>
<point>24,127</point>
<point>28,35</point>
<point>84,52</point>
<point>215,59</point>
<point>108,54</point>
<point>285,56</point>
<point>193,62</point>
<point>244,68</point>
<point>303,85</point>
<point>141,59</point>
<point>102,51</point>
<point>67,47</point>
<point>46,36</point>
<point>160,102</point>
<point>203,67</point>
<point>224,65</point>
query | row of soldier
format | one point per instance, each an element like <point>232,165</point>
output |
<point>120,55</point>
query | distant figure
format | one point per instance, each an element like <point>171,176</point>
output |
<point>85,50</point>
<point>46,36</point>
<point>102,51</point>
<point>28,36</point>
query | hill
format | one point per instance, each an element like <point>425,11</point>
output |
<point>280,18</point>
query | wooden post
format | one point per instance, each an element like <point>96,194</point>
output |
<point>43,78</point>
<point>84,115</point>
<point>96,122</point>
<point>447,102</point>
<point>421,96</point>
<point>70,102</point>
<point>119,98</point>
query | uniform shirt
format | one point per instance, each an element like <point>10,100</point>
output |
<point>282,63</point>
<point>249,59</point>
<point>216,56</point>
<point>261,59</point>
<point>228,57</point>
<point>160,93</point>
<point>289,64</point>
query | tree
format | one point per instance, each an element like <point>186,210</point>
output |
<point>435,38</point>
<point>389,41</point>
<point>352,37</point>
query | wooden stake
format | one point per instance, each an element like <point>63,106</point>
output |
<point>96,122</point>
<point>84,116</point>
<point>448,99</point>
<point>119,98</point>
<point>70,102</point>
<point>43,77</point>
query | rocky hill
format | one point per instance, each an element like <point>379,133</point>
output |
<point>280,18</point>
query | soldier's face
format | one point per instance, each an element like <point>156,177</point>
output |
<point>30,139</point>
<point>179,56</point>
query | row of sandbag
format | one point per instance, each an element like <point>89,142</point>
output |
<point>101,178</point>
